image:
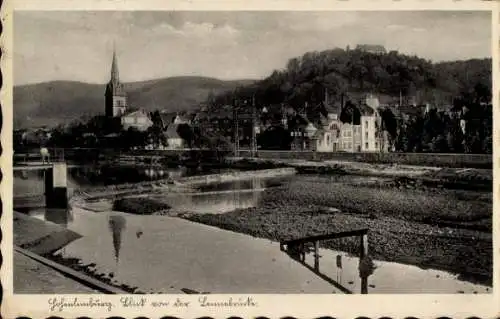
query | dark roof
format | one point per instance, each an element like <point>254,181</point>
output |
<point>183,117</point>
<point>407,110</point>
<point>200,116</point>
<point>171,131</point>
<point>334,107</point>
<point>167,118</point>
<point>323,120</point>
<point>297,121</point>
<point>366,110</point>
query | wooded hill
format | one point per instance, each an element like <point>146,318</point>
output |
<point>389,75</point>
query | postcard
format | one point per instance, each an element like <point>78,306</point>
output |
<point>272,158</point>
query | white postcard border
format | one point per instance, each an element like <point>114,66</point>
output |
<point>425,305</point>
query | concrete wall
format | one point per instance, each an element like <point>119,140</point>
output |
<point>427,159</point>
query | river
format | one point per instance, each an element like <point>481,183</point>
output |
<point>171,255</point>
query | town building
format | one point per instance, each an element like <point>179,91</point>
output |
<point>330,126</point>
<point>174,140</point>
<point>164,119</point>
<point>329,134</point>
<point>138,120</point>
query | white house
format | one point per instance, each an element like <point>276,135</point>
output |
<point>137,119</point>
<point>328,140</point>
<point>174,141</point>
<point>368,136</point>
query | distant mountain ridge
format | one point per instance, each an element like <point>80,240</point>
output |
<point>55,102</point>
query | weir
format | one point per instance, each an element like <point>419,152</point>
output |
<point>55,183</point>
<point>56,186</point>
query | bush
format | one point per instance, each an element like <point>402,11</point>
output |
<point>139,205</point>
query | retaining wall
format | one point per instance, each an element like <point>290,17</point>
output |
<point>425,159</point>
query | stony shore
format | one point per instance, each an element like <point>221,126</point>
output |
<point>465,178</point>
<point>443,229</point>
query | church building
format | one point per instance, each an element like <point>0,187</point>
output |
<point>115,97</point>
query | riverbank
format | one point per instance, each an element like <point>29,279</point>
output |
<point>32,277</point>
<point>431,176</point>
<point>444,229</point>
<point>179,185</point>
<point>40,237</point>
<point>45,239</point>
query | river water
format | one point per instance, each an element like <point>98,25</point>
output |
<point>172,255</point>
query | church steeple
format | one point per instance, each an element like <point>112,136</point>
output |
<point>115,96</point>
<point>115,76</point>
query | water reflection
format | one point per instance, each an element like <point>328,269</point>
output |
<point>366,267</point>
<point>116,225</point>
<point>59,216</point>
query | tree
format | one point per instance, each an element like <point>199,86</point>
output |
<point>132,138</point>
<point>350,114</point>
<point>186,133</point>
<point>275,138</point>
<point>155,133</point>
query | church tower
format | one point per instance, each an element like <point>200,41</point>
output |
<point>115,96</point>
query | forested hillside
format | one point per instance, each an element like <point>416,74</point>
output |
<point>389,75</point>
<point>56,102</point>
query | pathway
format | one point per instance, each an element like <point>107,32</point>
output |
<point>32,277</point>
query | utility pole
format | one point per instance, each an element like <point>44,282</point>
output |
<point>254,133</point>
<point>236,130</point>
<point>352,128</point>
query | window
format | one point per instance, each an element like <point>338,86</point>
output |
<point>328,139</point>
<point>366,145</point>
<point>376,145</point>
<point>366,124</point>
<point>366,135</point>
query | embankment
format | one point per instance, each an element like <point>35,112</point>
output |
<point>235,176</point>
<point>40,237</point>
<point>429,176</point>
<point>183,184</point>
<point>421,159</point>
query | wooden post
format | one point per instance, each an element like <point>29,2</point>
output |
<point>362,254</point>
<point>364,246</point>
<point>316,255</point>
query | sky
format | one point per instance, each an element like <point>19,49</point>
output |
<point>78,45</point>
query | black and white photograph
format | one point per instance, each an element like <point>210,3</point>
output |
<point>252,152</point>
